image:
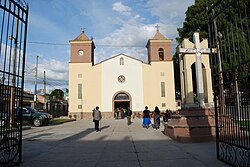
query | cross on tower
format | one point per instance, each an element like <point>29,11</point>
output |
<point>157,27</point>
<point>83,29</point>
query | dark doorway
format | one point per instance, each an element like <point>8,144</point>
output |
<point>194,79</point>
<point>121,99</point>
<point>122,104</point>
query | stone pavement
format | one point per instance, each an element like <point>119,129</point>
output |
<point>76,144</point>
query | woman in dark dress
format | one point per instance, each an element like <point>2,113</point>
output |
<point>146,117</point>
<point>157,118</point>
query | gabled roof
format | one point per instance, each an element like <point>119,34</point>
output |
<point>82,37</point>
<point>121,54</point>
<point>158,35</point>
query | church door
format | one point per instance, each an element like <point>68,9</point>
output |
<point>122,100</point>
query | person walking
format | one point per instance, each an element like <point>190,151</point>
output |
<point>129,113</point>
<point>146,117</point>
<point>97,116</point>
<point>120,113</point>
<point>157,118</point>
<point>116,113</point>
<point>124,113</point>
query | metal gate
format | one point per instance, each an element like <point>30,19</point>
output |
<point>229,22</point>
<point>13,30</point>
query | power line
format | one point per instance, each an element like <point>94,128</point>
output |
<point>29,74</point>
<point>101,45</point>
<point>47,43</point>
<point>53,83</point>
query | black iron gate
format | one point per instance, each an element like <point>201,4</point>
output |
<point>13,30</point>
<point>229,22</point>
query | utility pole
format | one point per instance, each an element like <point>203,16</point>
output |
<point>44,90</point>
<point>35,91</point>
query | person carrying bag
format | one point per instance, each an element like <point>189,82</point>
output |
<point>97,116</point>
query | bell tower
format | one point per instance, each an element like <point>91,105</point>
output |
<point>159,48</point>
<point>82,49</point>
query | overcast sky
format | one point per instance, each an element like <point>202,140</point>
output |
<point>116,26</point>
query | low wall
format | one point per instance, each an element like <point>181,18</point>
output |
<point>192,125</point>
<point>88,115</point>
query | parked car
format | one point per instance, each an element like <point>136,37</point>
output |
<point>32,116</point>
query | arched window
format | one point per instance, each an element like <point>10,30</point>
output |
<point>122,96</point>
<point>121,61</point>
<point>161,54</point>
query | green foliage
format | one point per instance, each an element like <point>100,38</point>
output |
<point>57,94</point>
<point>196,19</point>
<point>233,26</point>
<point>244,123</point>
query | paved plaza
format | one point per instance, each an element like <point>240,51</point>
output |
<point>76,144</point>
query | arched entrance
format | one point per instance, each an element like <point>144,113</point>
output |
<point>121,99</point>
<point>194,82</point>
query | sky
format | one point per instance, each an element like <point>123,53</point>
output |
<point>117,26</point>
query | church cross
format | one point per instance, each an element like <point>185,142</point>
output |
<point>197,50</point>
<point>83,28</point>
<point>157,27</point>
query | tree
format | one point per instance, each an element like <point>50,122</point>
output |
<point>57,93</point>
<point>196,19</point>
<point>233,25</point>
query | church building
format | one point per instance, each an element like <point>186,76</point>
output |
<point>120,81</point>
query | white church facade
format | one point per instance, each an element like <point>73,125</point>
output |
<point>120,81</point>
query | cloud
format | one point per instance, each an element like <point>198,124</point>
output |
<point>8,60</point>
<point>56,73</point>
<point>121,8</point>
<point>116,27</point>
<point>169,11</point>
<point>131,39</point>
<point>135,30</point>
<point>132,32</point>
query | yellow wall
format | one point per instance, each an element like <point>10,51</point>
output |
<point>152,85</point>
<point>92,86</point>
<point>186,62</point>
<point>91,81</point>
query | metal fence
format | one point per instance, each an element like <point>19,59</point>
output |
<point>229,32</point>
<point>13,30</point>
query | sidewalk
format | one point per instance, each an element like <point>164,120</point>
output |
<point>76,144</point>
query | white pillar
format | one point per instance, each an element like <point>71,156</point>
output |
<point>198,68</point>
